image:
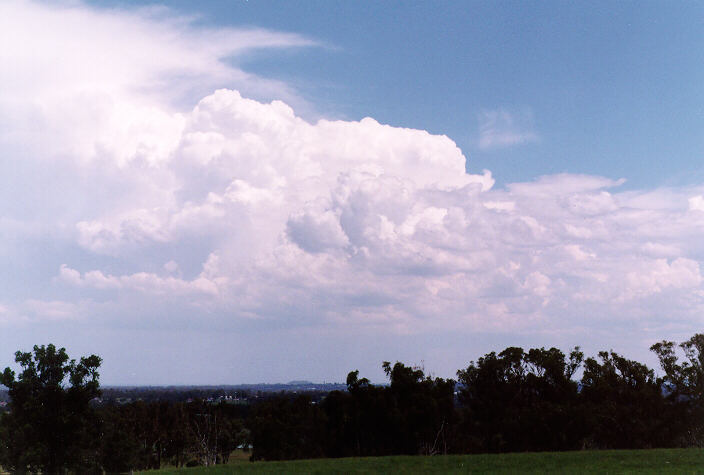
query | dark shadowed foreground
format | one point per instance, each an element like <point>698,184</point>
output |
<point>512,401</point>
<point>606,461</point>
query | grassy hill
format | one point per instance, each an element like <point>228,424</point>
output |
<point>607,461</point>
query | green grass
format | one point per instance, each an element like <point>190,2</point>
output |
<point>594,461</point>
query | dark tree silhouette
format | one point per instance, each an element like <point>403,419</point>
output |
<point>517,401</point>
<point>624,401</point>
<point>50,419</point>
<point>683,385</point>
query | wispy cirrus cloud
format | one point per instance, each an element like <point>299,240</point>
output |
<point>502,128</point>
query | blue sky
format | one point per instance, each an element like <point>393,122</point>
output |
<point>610,89</point>
<point>298,189</point>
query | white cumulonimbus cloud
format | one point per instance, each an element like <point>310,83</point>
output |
<point>240,208</point>
<point>359,221</point>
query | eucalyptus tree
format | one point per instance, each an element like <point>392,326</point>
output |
<point>50,426</point>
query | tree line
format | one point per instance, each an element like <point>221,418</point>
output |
<point>515,400</point>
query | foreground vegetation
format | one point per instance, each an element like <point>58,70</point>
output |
<point>592,461</point>
<point>507,402</point>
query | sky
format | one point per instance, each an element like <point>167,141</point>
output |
<point>256,191</point>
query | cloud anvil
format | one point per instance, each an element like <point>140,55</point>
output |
<point>149,199</point>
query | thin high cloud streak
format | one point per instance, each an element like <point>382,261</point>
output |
<point>501,128</point>
<point>143,49</point>
<point>238,214</point>
<point>131,68</point>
